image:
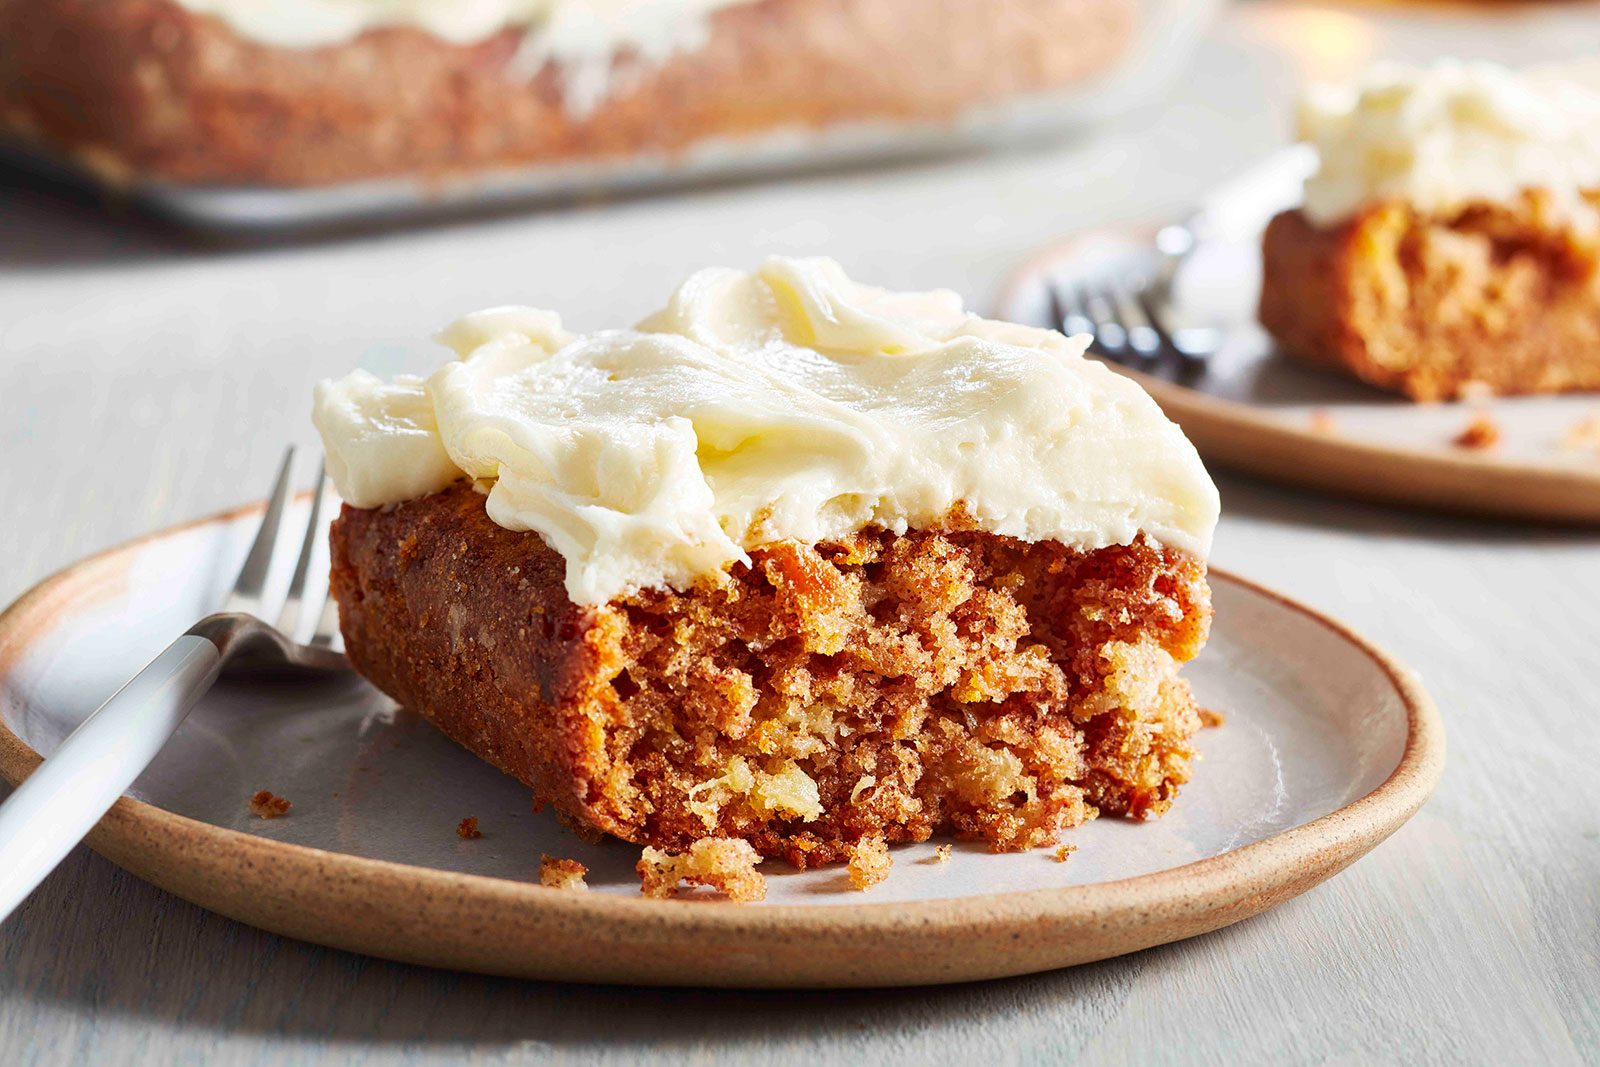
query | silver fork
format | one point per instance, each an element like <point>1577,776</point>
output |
<point>1126,317</point>
<point>1127,305</point>
<point>67,794</point>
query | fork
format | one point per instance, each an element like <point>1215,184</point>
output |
<point>1126,313</point>
<point>1127,306</point>
<point>65,796</point>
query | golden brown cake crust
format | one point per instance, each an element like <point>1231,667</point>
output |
<point>1503,295</point>
<point>145,87</point>
<point>891,687</point>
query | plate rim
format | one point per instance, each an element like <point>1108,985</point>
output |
<point>1194,897</point>
<point>1254,440</point>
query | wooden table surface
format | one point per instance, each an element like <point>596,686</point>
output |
<point>143,382</point>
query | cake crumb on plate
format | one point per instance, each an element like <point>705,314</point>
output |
<point>562,874</point>
<point>726,864</point>
<point>1064,851</point>
<point>1210,718</point>
<point>869,862</point>
<point>468,830</point>
<point>268,805</point>
<point>1481,432</point>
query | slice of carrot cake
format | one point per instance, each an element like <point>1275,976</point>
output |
<point>794,561</point>
<point>1450,238</point>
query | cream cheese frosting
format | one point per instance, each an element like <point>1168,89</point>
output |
<point>582,36</point>
<point>788,403</point>
<point>1442,136</point>
<point>312,23</point>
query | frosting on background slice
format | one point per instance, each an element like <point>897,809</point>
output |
<point>578,23</point>
<point>1442,136</point>
<point>791,403</point>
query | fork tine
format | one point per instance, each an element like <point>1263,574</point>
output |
<point>327,626</point>
<point>246,595</point>
<point>327,631</point>
<point>327,634</point>
<point>1186,366</point>
<point>1110,335</point>
<point>1142,336</point>
<point>1067,314</point>
<point>293,603</point>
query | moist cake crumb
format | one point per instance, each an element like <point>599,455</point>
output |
<point>868,862</point>
<point>468,828</point>
<point>268,805</point>
<point>1481,433</point>
<point>1064,851</point>
<point>941,853</point>
<point>1210,717</point>
<point>727,865</point>
<point>562,874</point>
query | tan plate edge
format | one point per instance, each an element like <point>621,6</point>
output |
<point>471,922</point>
<point>1254,441</point>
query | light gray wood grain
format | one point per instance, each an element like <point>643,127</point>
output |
<point>142,383</point>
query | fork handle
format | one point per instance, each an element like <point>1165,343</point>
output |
<point>64,797</point>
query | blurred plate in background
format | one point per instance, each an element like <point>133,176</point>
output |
<point>1128,51</point>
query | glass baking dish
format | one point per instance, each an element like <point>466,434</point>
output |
<point>1162,34</point>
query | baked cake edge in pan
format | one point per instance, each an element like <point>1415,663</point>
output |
<point>150,89</point>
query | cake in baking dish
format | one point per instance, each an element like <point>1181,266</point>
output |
<point>311,92</point>
<point>794,561</point>
<point>1449,240</point>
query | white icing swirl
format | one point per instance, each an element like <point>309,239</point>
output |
<point>791,403</point>
<point>1442,136</point>
<point>581,36</point>
<point>311,23</point>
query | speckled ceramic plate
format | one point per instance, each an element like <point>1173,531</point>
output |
<point>1328,746</point>
<point>1256,411</point>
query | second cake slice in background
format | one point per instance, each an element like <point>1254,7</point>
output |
<point>1450,241</point>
